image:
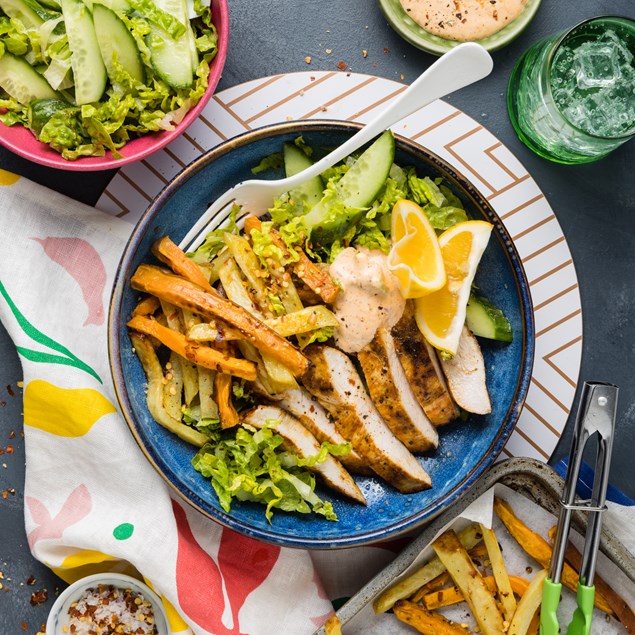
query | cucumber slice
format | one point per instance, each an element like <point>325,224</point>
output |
<point>118,6</point>
<point>357,189</point>
<point>116,42</point>
<point>41,110</point>
<point>172,58</point>
<point>22,81</point>
<point>89,71</point>
<point>487,320</point>
<point>23,11</point>
<point>51,4</point>
<point>295,161</point>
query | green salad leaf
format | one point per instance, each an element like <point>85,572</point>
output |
<point>247,464</point>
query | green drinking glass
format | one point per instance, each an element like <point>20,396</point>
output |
<point>571,96</point>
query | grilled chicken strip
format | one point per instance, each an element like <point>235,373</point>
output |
<point>392,395</point>
<point>306,408</point>
<point>465,373</point>
<point>300,441</point>
<point>422,369</point>
<point>332,378</point>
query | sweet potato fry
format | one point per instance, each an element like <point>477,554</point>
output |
<point>431,587</point>
<point>190,296</point>
<point>200,355</point>
<point>169,253</point>
<point>467,578</point>
<point>468,537</point>
<point>319,281</point>
<point>425,621</point>
<point>528,605</point>
<point>623,611</point>
<point>539,549</point>
<point>499,571</point>
<point>453,595</point>
<point>534,625</point>
<point>223,393</point>
<point>147,306</point>
<point>154,374</point>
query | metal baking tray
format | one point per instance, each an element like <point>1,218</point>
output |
<point>535,480</point>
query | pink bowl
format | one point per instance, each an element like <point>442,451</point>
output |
<point>20,140</point>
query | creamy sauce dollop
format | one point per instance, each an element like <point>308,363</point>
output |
<point>370,298</point>
<point>463,20</point>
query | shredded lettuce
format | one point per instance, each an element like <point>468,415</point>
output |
<point>247,464</point>
<point>264,247</point>
<point>154,15</point>
<point>271,162</point>
<point>442,207</point>
<point>214,241</point>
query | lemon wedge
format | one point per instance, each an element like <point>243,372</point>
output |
<point>415,257</point>
<point>441,315</point>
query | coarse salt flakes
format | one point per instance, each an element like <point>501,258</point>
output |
<point>107,609</point>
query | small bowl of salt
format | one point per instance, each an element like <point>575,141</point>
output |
<point>108,603</point>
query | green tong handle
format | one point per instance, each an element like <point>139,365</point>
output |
<point>581,622</point>
<point>550,600</point>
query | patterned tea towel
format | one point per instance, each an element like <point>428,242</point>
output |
<point>92,501</point>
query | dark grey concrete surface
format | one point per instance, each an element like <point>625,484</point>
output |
<point>595,205</point>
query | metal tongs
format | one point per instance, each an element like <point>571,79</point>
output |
<point>596,414</point>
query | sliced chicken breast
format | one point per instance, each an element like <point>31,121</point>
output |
<point>307,409</point>
<point>300,441</point>
<point>333,379</point>
<point>422,369</point>
<point>465,373</point>
<point>392,395</point>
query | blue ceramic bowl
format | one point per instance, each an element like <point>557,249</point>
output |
<point>466,448</point>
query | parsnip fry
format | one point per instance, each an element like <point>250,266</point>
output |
<point>279,377</point>
<point>188,369</point>
<point>248,263</point>
<point>203,332</point>
<point>189,296</point>
<point>169,253</point>
<point>314,277</point>
<point>499,571</point>
<point>209,408</point>
<point>528,605</point>
<point>148,306</point>
<point>200,355</point>
<point>154,374</point>
<point>173,387</point>
<point>230,278</point>
<point>426,622</point>
<point>453,595</point>
<point>468,537</point>
<point>431,587</point>
<point>303,321</point>
<point>466,576</point>
<point>539,549</point>
<point>333,625</point>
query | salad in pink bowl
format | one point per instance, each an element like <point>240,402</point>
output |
<point>95,84</point>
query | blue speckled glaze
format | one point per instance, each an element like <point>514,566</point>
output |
<point>466,448</point>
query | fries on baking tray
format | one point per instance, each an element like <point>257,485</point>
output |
<point>501,604</point>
